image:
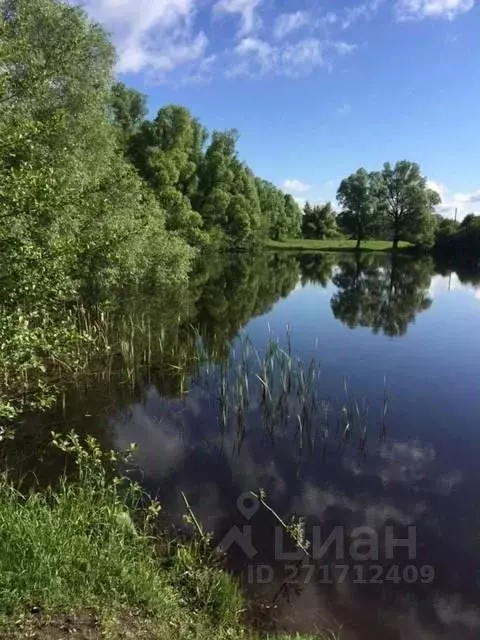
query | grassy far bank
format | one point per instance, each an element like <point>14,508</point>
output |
<point>81,561</point>
<point>342,244</point>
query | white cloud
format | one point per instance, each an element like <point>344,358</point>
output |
<point>463,203</point>
<point>286,23</point>
<point>468,198</point>
<point>257,57</point>
<point>150,36</point>
<point>419,9</point>
<point>365,11</point>
<point>302,54</point>
<point>245,9</point>
<point>440,188</point>
<point>301,202</point>
<point>161,38</point>
<point>296,186</point>
<point>343,48</point>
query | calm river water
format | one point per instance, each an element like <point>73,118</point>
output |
<point>389,446</point>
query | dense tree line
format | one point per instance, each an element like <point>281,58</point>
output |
<point>459,239</point>
<point>199,180</point>
<point>95,196</point>
<point>89,187</point>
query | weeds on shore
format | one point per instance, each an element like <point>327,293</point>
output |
<point>88,545</point>
<point>86,553</point>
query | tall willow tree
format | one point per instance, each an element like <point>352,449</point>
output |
<point>168,153</point>
<point>291,225</point>
<point>56,76</point>
<point>217,175</point>
<point>227,197</point>
<point>129,111</point>
<point>70,204</point>
<point>408,203</point>
<point>319,221</point>
<point>358,195</point>
<point>74,215</point>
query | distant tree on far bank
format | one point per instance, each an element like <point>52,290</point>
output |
<point>407,203</point>
<point>459,239</point>
<point>358,197</point>
<point>395,204</point>
<point>319,221</point>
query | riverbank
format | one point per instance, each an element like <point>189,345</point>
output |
<point>334,245</point>
<point>82,560</point>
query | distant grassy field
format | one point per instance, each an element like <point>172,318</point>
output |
<point>334,245</point>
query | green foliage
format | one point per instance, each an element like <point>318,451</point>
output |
<point>167,153</point>
<point>444,227</point>
<point>227,194</point>
<point>319,222</point>
<point>129,111</point>
<point>459,239</point>
<point>65,187</point>
<point>395,203</point>
<point>281,215</point>
<point>75,215</point>
<point>86,545</point>
<point>358,196</point>
<point>208,194</point>
<point>272,205</point>
<point>341,244</point>
<point>408,204</point>
<point>292,223</point>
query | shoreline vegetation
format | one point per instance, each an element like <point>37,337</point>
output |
<point>97,203</point>
<point>84,558</point>
<point>342,245</point>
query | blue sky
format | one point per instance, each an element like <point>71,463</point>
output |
<point>317,88</point>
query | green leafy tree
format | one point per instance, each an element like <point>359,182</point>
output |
<point>168,153</point>
<point>291,226</point>
<point>319,221</point>
<point>216,180</point>
<point>129,110</point>
<point>468,220</point>
<point>408,204</point>
<point>358,196</point>
<point>69,196</point>
<point>74,213</point>
<point>56,78</point>
<point>272,205</point>
<point>459,241</point>
<point>227,196</point>
<point>444,227</point>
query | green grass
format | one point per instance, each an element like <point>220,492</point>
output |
<point>75,550</point>
<point>334,245</point>
<point>82,556</point>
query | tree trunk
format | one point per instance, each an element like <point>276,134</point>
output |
<point>359,240</point>
<point>396,225</point>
